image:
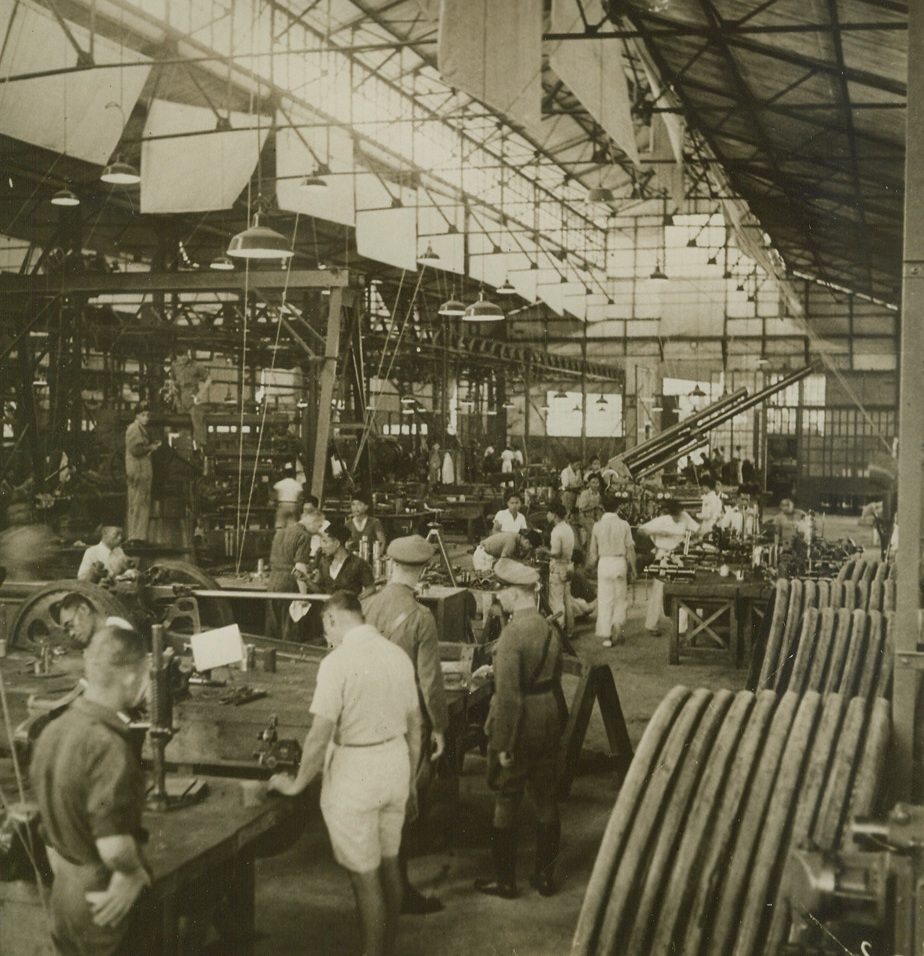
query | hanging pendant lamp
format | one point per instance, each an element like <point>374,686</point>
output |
<point>429,257</point>
<point>451,307</point>
<point>221,264</point>
<point>506,289</point>
<point>64,197</point>
<point>483,311</point>
<point>600,196</point>
<point>120,173</point>
<point>259,242</point>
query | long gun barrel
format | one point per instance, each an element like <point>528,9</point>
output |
<point>651,456</point>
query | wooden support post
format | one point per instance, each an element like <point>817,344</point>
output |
<point>907,680</point>
<point>326,392</point>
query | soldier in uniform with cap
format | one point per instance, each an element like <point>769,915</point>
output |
<point>395,612</point>
<point>523,732</point>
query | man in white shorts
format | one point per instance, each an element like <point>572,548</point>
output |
<point>366,736</point>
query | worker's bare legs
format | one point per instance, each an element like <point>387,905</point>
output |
<point>393,886</point>
<point>372,907</point>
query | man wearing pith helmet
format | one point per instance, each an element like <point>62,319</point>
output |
<point>523,732</point>
<point>395,612</point>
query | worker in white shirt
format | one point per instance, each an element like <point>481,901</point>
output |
<point>571,483</point>
<point>613,552</point>
<point>105,559</point>
<point>667,533</point>
<point>710,510</point>
<point>287,493</point>
<point>505,540</point>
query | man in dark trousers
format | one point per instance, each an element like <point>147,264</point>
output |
<point>395,612</point>
<point>524,732</point>
<point>290,559</point>
<point>90,787</point>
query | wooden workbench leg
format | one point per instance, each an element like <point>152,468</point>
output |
<point>673,647</point>
<point>733,636</point>
<point>242,903</point>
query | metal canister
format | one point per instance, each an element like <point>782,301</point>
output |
<point>267,659</point>
<point>249,660</point>
<point>261,567</point>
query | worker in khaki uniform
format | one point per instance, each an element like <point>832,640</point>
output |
<point>139,473</point>
<point>365,736</point>
<point>89,785</point>
<point>524,732</point>
<point>395,612</point>
<point>612,551</point>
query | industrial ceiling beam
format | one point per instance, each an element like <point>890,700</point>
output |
<point>140,283</point>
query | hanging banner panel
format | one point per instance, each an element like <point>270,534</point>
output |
<point>493,51</point>
<point>86,110</point>
<point>196,173</point>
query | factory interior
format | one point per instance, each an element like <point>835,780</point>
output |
<point>567,350</point>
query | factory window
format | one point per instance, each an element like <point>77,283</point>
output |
<point>564,418</point>
<point>841,442</point>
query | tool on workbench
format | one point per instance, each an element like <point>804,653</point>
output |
<point>180,792</point>
<point>273,753</point>
<point>243,694</point>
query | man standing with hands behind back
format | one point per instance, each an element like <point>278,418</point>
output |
<point>90,789</point>
<point>395,612</point>
<point>365,735</point>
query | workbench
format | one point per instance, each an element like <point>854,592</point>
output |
<point>721,612</point>
<point>197,855</point>
<point>453,608</point>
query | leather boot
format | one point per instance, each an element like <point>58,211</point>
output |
<point>504,854</point>
<point>548,837</point>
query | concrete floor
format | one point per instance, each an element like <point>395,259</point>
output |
<point>304,902</point>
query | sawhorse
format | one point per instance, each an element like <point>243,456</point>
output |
<point>595,684</point>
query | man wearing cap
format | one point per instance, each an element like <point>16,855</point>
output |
<point>395,612</point>
<point>364,737</point>
<point>139,473</point>
<point>523,732</point>
<point>89,786</point>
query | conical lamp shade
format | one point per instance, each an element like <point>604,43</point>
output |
<point>483,311</point>
<point>221,264</point>
<point>64,197</point>
<point>600,195</point>
<point>259,242</point>
<point>659,275</point>
<point>506,289</point>
<point>313,183</point>
<point>451,307</point>
<point>120,173</point>
<point>429,257</point>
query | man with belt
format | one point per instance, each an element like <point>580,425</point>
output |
<point>365,734</point>
<point>395,613</point>
<point>613,552</point>
<point>524,732</point>
<point>90,787</point>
